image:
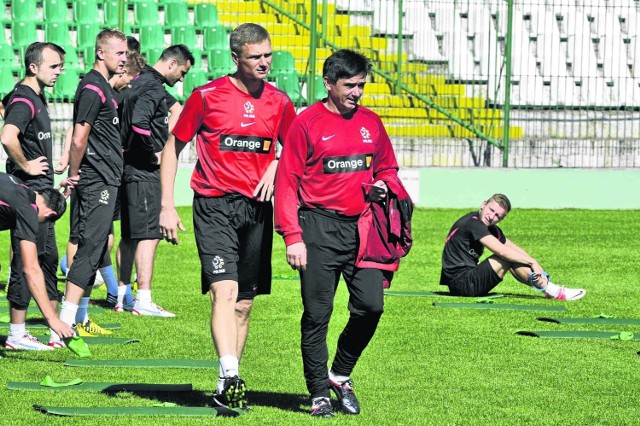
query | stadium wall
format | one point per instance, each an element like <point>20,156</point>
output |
<point>608,189</point>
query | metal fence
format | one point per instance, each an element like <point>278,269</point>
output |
<point>518,83</point>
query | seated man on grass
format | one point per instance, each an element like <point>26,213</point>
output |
<point>465,244</point>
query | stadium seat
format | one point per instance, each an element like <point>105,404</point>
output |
<point>184,35</point>
<point>89,56</point>
<point>71,61</point>
<point>86,12</point>
<point>290,83</point>
<point>215,37</point>
<point>66,85</point>
<point>86,35</point>
<point>7,56</point>
<point>23,33</point>
<point>24,11</point>
<point>55,11</point>
<point>151,37</point>
<point>282,63</point>
<point>110,12</point>
<point>176,14</point>
<point>205,15</point>
<point>7,82</point>
<point>58,33</point>
<point>145,14</point>
<point>319,91</point>
<point>152,55</point>
<point>195,77</point>
<point>219,62</point>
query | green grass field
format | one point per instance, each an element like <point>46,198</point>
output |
<point>425,365</point>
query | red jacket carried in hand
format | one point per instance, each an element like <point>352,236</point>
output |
<point>385,230</point>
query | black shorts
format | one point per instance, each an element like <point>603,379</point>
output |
<point>18,292</point>
<point>95,203</point>
<point>234,235</point>
<point>74,218</point>
<point>473,282</point>
<point>140,210</point>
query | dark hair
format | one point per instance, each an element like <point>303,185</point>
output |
<point>133,45</point>
<point>179,52</point>
<point>55,201</point>
<point>502,201</point>
<point>247,34</point>
<point>135,63</point>
<point>345,63</point>
<point>33,54</point>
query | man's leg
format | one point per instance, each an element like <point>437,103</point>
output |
<point>543,284</point>
<point>144,259</point>
<point>243,310</point>
<point>125,258</point>
<point>480,280</point>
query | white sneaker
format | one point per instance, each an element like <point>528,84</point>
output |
<point>151,309</point>
<point>26,343</point>
<point>569,294</point>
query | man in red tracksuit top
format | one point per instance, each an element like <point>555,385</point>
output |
<point>336,155</point>
<point>237,121</point>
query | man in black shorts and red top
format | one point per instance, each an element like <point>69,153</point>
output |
<point>144,132</point>
<point>237,121</point>
<point>465,275</point>
<point>95,160</point>
<point>27,139</point>
<point>22,211</point>
<point>335,159</point>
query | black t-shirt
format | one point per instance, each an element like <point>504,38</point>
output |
<point>18,209</point>
<point>144,125</point>
<point>95,105</point>
<point>29,113</point>
<point>462,248</point>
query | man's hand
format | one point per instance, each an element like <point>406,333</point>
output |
<point>297,256</point>
<point>37,167</point>
<point>169,224</point>
<point>68,184</point>
<point>377,191</point>
<point>61,164</point>
<point>264,190</point>
<point>61,329</point>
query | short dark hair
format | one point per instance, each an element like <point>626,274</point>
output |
<point>55,201</point>
<point>247,34</point>
<point>179,52</point>
<point>345,63</point>
<point>502,201</point>
<point>133,45</point>
<point>33,54</point>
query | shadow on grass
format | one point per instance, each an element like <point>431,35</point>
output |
<point>197,398</point>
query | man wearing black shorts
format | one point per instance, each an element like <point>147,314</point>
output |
<point>465,275</point>
<point>236,120</point>
<point>95,160</point>
<point>144,133</point>
<point>22,211</point>
<point>27,139</point>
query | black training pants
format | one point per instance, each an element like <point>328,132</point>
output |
<point>332,243</point>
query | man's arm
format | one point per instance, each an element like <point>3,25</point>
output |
<point>63,161</point>
<point>174,114</point>
<point>35,280</point>
<point>79,142</point>
<point>12,147</point>
<point>169,218</point>
<point>510,252</point>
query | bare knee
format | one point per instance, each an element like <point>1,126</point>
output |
<point>243,309</point>
<point>225,292</point>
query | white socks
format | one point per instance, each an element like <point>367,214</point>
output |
<point>552,289</point>
<point>122,291</point>
<point>336,378</point>
<point>68,313</point>
<point>16,331</point>
<point>228,368</point>
<point>143,297</point>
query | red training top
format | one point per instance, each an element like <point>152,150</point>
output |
<point>236,133</point>
<point>325,161</point>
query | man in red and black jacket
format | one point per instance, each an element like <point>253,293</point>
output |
<point>335,159</point>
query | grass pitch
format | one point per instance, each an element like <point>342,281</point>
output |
<point>424,366</point>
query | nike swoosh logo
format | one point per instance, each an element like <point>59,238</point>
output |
<point>247,124</point>
<point>326,138</point>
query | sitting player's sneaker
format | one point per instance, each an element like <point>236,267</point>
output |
<point>346,397</point>
<point>233,394</point>
<point>93,329</point>
<point>151,309</point>
<point>80,331</point>
<point>568,294</point>
<point>26,342</point>
<point>321,407</point>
